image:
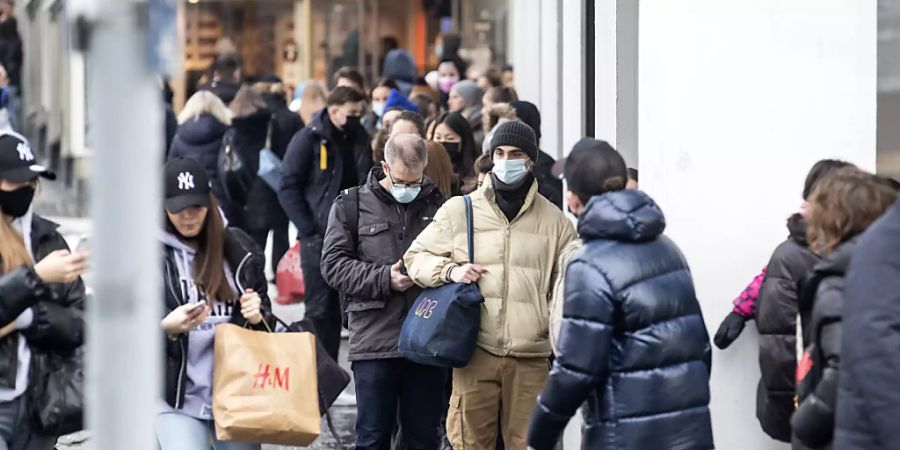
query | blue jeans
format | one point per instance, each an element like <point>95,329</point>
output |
<point>176,431</point>
<point>15,428</point>
<point>383,386</point>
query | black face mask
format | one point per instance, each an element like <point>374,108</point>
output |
<point>453,149</point>
<point>352,123</point>
<point>16,203</point>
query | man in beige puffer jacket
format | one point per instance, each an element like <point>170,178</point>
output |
<point>519,236</point>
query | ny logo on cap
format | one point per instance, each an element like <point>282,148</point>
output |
<point>25,153</point>
<point>185,181</point>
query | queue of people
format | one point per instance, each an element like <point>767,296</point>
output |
<point>373,180</point>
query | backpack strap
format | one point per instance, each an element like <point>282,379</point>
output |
<point>351,212</point>
<point>470,229</point>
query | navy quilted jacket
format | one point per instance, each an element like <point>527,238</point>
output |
<point>633,345</point>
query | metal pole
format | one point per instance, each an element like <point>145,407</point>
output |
<point>125,131</point>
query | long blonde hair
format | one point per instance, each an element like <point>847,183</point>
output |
<point>205,102</point>
<point>12,245</point>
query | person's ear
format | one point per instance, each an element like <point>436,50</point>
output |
<point>575,204</point>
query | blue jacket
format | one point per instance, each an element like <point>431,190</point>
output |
<point>633,345</point>
<point>868,402</point>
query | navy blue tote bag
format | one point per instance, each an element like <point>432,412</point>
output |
<point>442,327</point>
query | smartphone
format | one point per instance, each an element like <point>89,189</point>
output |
<point>84,245</point>
<point>197,307</point>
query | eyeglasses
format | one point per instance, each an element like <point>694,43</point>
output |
<point>406,185</point>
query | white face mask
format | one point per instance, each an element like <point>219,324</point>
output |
<point>510,171</point>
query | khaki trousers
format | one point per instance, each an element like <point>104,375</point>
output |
<point>491,388</point>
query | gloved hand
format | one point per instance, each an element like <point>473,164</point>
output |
<point>729,330</point>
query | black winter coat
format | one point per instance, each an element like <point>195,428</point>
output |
<point>58,325</point>
<point>11,50</point>
<point>310,183</point>
<point>249,138</point>
<point>776,318</point>
<point>548,185</point>
<point>263,209</point>
<point>200,139</point>
<point>633,347</point>
<point>248,262</point>
<point>361,268</point>
<point>821,311</point>
<point>868,403</point>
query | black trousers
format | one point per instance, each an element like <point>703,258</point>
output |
<point>323,307</point>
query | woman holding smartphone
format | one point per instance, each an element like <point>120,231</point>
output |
<point>41,297</point>
<point>213,275</point>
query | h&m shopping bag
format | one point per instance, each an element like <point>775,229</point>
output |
<point>265,388</point>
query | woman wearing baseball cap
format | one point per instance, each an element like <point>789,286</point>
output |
<point>41,300</point>
<point>213,275</point>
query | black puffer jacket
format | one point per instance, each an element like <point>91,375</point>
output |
<point>200,139</point>
<point>776,318</point>
<point>633,346</point>
<point>58,326</point>
<point>361,268</point>
<point>248,262</point>
<point>821,312</point>
<point>310,183</point>
<point>548,185</point>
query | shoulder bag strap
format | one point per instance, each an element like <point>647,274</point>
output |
<point>470,238</point>
<point>351,212</point>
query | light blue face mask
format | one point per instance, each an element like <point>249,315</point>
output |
<point>378,109</point>
<point>509,171</point>
<point>403,193</point>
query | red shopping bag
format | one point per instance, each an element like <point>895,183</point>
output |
<point>289,278</point>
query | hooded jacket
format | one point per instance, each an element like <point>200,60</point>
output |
<point>310,180</point>
<point>360,266</point>
<point>520,257</point>
<point>633,346</point>
<point>821,312</point>
<point>868,401</point>
<point>57,325</point>
<point>400,67</point>
<point>776,319</point>
<point>200,139</point>
<point>246,262</point>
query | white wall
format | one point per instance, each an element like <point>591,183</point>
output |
<point>737,100</point>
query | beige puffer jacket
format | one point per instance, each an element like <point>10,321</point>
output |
<point>520,258</point>
<point>558,296</point>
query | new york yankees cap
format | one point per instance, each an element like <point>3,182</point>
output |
<point>17,163</point>
<point>186,184</point>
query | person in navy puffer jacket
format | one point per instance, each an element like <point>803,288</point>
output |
<point>633,346</point>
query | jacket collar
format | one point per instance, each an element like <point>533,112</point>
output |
<point>490,193</point>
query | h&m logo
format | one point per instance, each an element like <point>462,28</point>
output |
<point>265,378</point>
<point>185,181</point>
<point>426,308</point>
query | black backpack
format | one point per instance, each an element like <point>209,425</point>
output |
<point>234,174</point>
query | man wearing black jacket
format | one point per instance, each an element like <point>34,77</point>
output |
<point>369,229</point>
<point>332,153</point>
